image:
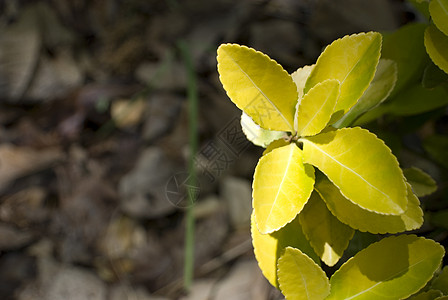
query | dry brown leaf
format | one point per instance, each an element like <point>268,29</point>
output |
<point>16,161</point>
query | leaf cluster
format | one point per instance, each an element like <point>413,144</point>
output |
<point>319,180</point>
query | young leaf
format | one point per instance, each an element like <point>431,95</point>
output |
<point>405,47</point>
<point>269,247</point>
<point>300,277</point>
<point>327,235</point>
<point>352,61</point>
<point>439,14</point>
<point>436,44</point>
<point>361,166</point>
<point>300,76</point>
<point>367,221</point>
<point>379,89</point>
<point>258,85</point>
<point>256,134</point>
<point>422,184</point>
<point>393,268</point>
<point>281,187</point>
<point>316,107</point>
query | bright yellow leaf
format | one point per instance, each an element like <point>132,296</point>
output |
<point>258,85</point>
<point>351,60</point>
<point>316,107</point>
<point>300,277</point>
<point>393,268</point>
<point>364,220</point>
<point>328,236</point>
<point>281,187</point>
<point>361,166</point>
<point>269,247</point>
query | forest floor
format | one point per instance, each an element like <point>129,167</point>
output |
<point>94,141</point>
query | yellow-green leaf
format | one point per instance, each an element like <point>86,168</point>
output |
<point>379,89</point>
<point>300,277</point>
<point>256,134</point>
<point>361,166</point>
<point>275,144</point>
<point>269,247</point>
<point>327,235</point>
<point>393,268</point>
<point>281,187</point>
<point>300,76</point>
<point>364,220</point>
<point>439,14</point>
<point>422,184</point>
<point>258,85</point>
<point>316,107</point>
<point>352,61</point>
<point>436,44</point>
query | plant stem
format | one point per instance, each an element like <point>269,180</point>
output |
<point>192,178</point>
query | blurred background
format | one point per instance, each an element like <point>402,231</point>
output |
<point>94,141</point>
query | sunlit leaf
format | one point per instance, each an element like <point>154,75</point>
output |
<point>436,44</point>
<point>439,14</point>
<point>269,247</point>
<point>405,47</point>
<point>428,295</point>
<point>437,148</point>
<point>393,268</point>
<point>441,281</point>
<point>327,235</point>
<point>300,278</point>
<point>316,107</point>
<point>379,89</point>
<point>352,61</point>
<point>422,184</point>
<point>281,187</point>
<point>275,144</point>
<point>300,76</point>
<point>361,166</point>
<point>364,220</point>
<point>258,85</point>
<point>256,134</point>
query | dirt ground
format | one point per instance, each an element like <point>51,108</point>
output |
<point>94,140</point>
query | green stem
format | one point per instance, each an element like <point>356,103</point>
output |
<point>192,95</point>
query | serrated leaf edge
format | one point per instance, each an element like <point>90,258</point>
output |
<point>291,126</point>
<point>390,151</point>
<point>310,259</point>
